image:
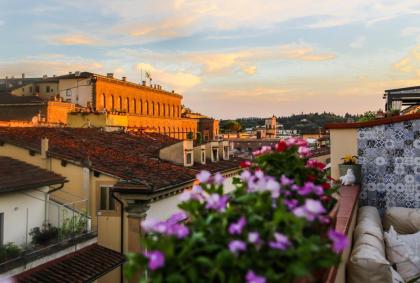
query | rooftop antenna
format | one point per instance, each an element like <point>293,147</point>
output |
<point>149,76</point>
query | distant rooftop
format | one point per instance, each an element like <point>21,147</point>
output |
<point>85,265</point>
<point>16,175</point>
<point>132,158</point>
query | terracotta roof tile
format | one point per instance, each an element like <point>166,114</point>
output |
<point>132,158</point>
<point>85,265</point>
<point>16,175</point>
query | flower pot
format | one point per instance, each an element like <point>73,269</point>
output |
<point>357,170</point>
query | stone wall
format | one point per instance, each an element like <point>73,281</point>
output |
<point>57,111</point>
<point>390,158</point>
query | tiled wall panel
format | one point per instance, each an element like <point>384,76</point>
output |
<point>390,158</point>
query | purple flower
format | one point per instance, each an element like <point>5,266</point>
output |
<point>251,277</point>
<point>218,179</point>
<point>285,181</point>
<point>306,189</point>
<point>274,187</point>
<point>194,194</point>
<point>204,176</point>
<point>310,210</point>
<point>179,230</point>
<point>177,217</point>
<point>217,202</point>
<point>254,238</point>
<point>245,176</point>
<point>156,259</point>
<point>291,203</point>
<point>236,246</point>
<point>339,240</point>
<point>148,225</point>
<point>281,242</point>
<point>237,227</point>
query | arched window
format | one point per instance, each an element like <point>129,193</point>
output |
<point>164,109</point>
<point>147,107</point>
<point>158,129</point>
<point>153,108</point>
<point>179,111</point>
<point>158,107</point>
<point>127,102</point>
<point>112,103</point>
<point>141,106</point>
<point>173,110</point>
<point>119,103</point>
<point>103,106</point>
<point>178,134</point>
<point>134,106</point>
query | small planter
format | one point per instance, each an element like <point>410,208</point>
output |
<point>357,170</point>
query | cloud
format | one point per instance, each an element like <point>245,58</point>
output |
<point>51,65</point>
<point>250,70</point>
<point>73,39</point>
<point>179,80</point>
<point>410,63</point>
<point>215,62</point>
<point>359,42</point>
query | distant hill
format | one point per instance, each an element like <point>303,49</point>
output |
<point>304,123</point>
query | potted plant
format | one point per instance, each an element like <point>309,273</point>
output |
<point>350,162</point>
<point>274,227</point>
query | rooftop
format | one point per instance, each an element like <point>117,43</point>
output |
<point>132,158</point>
<point>382,121</point>
<point>16,175</point>
<point>85,265</point>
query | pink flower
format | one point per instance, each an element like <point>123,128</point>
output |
<point>237,227</point>
<point>313,163</point>
<point>251,277</point>
<point>203,176</point>
<point>304,151</point>
<point>156,259</point>
<point>339,240</point>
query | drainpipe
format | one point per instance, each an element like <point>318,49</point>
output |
<point>47,199</point>
<point>121,232</point>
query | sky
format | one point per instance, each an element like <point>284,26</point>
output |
<point>230,58</point>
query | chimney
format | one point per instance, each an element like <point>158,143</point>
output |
<point>143,83</point>
<point>110,75</point>
<point>44,148</point>
<point>23,75</point>
<point>70,73</point>
<point>124,79</point>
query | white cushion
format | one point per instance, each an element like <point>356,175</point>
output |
<point>404,220</point>
<point>403,252</point>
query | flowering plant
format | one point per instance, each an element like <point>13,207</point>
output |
<point>274,227</point>
<point>350,160</point>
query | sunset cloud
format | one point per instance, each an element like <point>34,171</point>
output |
<point>410,63</point>
<point>178,80</point>
<point>74,40</point>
